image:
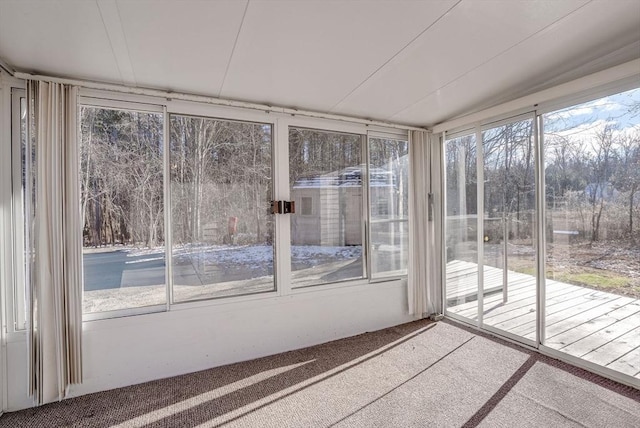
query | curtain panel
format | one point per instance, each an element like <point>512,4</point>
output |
<point>55,292</point>
<point>425,226</point>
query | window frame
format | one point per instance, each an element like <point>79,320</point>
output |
<point>364,200</point>
<point>105,103</point>
<point>280,124</point>
<point>17,312</point>
<point>535,112</point>
<point>168,214</point>
<point>397,136</point>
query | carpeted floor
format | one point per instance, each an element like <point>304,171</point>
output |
<point>414,375</point>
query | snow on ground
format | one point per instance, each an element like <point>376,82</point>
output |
<point>202,271</point>
<point>250,256</point>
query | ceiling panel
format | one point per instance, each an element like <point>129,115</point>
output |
<point>471,34</point>
<point>182,46</point>
<point>311,54</point>
<point>560,50</point>
<point>417,62</point>
<point>64,38</point>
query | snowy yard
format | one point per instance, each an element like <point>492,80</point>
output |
<point>126,277</point>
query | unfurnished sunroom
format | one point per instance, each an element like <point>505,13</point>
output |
<point>188,184</point>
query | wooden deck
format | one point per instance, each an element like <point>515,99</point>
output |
<point>600,327</point>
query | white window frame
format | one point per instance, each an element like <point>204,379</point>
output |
<point>104,103</point>
<point>21,274</point>
<point>338,129</point>
<point>377,134</point>
<point>280,123</point>
<point>581,95</point>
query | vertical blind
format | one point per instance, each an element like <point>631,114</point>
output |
<point>55,293</point>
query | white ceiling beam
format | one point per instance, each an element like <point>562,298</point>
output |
<point>214,101</point>
<point>113,26</point>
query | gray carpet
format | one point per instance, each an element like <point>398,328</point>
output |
<point>415,375</point>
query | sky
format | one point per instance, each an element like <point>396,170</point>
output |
<point>583,121</point>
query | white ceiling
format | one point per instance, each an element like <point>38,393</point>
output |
<point>405,61</point>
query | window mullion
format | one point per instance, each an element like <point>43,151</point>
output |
<point>366,220</point>
<point>282,192</point>
<point>168,230</point>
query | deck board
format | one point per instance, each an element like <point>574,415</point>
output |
<point>597,332</point>
<point>612,350</point>
<point>595,325</point>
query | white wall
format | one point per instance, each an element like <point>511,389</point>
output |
<point>126,351</point>
<point>200,335</point>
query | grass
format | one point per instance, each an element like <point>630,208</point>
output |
<point>606,280</point>
<point>599,280</point>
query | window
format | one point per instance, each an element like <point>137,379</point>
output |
<point>23,163</point>
<point>307,206</point>
<point>188,219</point>
<point>389,201</point>
<point>122,206</point>
<point>221,188</point>
<point>327,168</point>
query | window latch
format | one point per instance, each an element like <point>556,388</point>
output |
<point>283,207</point>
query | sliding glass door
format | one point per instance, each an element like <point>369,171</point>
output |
<point>508,233</point>
<point>542,231</point>
<point>490,227</point>
<point>592,213</point>
<point>461,224</point>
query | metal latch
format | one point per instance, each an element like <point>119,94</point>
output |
<point>283,207</point>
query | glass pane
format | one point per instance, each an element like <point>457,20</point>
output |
<point>326,245</point>
<point>122,208</point>
<point>461,226</point>
<point>509,228</point>
<point>25,202</point>
<point>221,190</point>
<point>592,173</point>
<point>389,206</point>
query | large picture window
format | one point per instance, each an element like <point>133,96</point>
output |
<point>189,218</point>
<point>122,208</point>
<point>221,187</point>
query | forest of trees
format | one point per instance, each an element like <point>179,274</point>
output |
<point>121,177</point>
<point>597,178</point>
<point>220,173</point>
<point>218,170</point>
<point>592,176</point>
<point>313,154</point>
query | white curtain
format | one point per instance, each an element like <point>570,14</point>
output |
<point>55,324</point>
<point>424,286</point>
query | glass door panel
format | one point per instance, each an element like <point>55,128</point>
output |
<point>221,187</point>
<point>592,214</point>
<point>509,264</point>
<point>461,226</point>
